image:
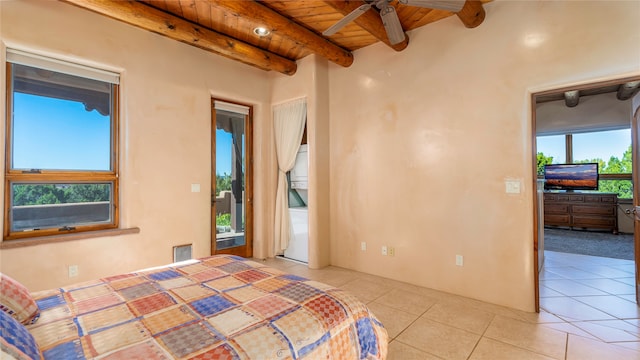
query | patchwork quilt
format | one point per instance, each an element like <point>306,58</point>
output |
<point>220,307</point>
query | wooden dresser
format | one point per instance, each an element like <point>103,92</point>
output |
<point>581,210</point>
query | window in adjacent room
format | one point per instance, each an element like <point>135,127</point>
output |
<point>61,168</point>
<point>551,150</point>
<point>611,149</point>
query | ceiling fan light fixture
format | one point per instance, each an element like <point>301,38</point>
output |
<point>392,25</point>
<point>347,19</point>
<point>261,31</point>
<point>448,5</point>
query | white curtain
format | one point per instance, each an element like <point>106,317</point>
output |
<point>288,124</point>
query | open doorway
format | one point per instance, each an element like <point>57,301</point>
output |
<point>582,276</point>
<point>602,223</point>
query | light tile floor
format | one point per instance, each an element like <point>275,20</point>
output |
<point>586,313</point>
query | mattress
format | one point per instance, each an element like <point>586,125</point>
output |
<point>220,307</point>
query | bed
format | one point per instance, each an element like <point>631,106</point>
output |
<point>219,307</point>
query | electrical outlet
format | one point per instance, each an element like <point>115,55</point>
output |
<point>459,260</point>
<point>73,271</point>
<point>384,250</point>
<point>392,251</point>
<point>363,246</point>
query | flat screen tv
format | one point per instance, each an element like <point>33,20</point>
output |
<point>571,177</point>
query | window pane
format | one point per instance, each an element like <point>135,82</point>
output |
<point>551,150</point>
<point>552,146</point>
<point>624,188</point>
<point>39,206</point>
<point>60,122</point>
<point>230,177</point>
<point>611,149</point>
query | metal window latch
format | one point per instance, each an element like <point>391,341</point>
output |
<point>67,228</point>
<point>31,171</point>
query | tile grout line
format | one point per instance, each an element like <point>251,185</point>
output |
<point>534,324</point>
<point>481,336</point>
<point>408,326</point>
<point>590,267</point>
<point>413,322</point>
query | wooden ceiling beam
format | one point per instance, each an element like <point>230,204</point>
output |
<point>278,24</point>
<point>370,21</point>
<point>159,22</point>
<point>472,13</point>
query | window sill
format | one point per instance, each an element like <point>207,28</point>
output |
<point>11,244</point>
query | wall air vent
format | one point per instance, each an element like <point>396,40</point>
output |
<point>182,252</point>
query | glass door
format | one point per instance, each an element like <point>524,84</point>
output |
<point>231,185</point>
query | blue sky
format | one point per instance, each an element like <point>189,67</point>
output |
<point>58,134</point>
<point>223,152</point>
<point>600,145</point>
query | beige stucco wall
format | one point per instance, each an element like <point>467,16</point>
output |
<point>423,140</point>
<point>165,138</point>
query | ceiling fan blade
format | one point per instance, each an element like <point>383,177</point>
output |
<point>347,19</point>
<point>449,5</point>
<point>392,25</point>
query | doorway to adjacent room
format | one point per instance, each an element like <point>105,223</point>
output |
<point>580,278</point>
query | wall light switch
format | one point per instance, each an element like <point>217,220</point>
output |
<point>512,186</point>
<point>195,187</point>
<point>384,250</point>
<point>459,260</point>
<point>73,270</point>
<point>363,246</point>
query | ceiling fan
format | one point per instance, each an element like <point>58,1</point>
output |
<point>390,20</point>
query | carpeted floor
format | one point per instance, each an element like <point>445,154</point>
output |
<point>589,243</point>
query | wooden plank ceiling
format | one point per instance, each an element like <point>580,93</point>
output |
<point>226,27</point>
